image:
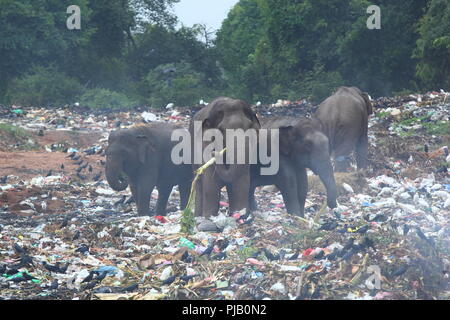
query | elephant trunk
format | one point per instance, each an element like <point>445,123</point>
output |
<point>326,175</point>
<point>115,176</point>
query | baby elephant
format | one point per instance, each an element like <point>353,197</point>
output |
<point>302,145</point>
<point>344,117</point>
<point>141,157</point>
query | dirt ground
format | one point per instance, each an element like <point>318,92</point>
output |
<point>25,165</point>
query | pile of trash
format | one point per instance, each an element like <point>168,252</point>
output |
<point>389,237</point>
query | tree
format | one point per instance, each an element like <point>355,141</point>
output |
<point>433,46</point>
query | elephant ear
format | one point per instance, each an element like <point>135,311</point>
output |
<point>145,145</point>
<point>249,113</point>
<point>366,98</point>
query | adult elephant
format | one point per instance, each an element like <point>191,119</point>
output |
<point>141,158</point>
<point>221,115</point>
<point>302,145</point>
<point>344,117</point>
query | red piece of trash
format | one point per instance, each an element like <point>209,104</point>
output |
<point>223,204</point>
<point>161,219</point>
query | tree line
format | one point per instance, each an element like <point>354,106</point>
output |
<point>133,52</point>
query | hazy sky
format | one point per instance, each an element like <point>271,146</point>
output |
<point>210,12</point>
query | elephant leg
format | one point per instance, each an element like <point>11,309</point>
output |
<point>143,199</point>
<point>185,191</point>
<point>163,197</point>
<point>239,194</point>
<point>134,192</point>
<point>361,152</point>
<point>210,195</point>
<point>302,189</point>
<point>287,183</point>
<point>342,162</point>
<point>251,198</point>
<point>145,186</point>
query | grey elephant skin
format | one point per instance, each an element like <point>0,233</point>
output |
<point>223,113</point>
<point>141,158</point>
<point>344,117</point>
<point>302,145</point>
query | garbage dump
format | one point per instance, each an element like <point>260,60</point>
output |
<point>65,234</point>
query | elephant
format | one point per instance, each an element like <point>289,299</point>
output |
<point>221,114</point>
<point>302,145</point>
<point>344,117</point>
<point>141,158</point>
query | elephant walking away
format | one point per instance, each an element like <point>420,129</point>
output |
<point>141,158</point>
<point>344,117</point>
<point>302,145</point>
<point>221,114</point>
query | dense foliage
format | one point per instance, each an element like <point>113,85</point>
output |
<point>131,52</point>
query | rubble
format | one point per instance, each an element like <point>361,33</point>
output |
<point>65,237</point>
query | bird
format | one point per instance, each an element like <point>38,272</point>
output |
<point>208,250</point>
<point>28,276</point>
<point>363,229</point>
<point>84,166</point>
<point>3,179</point>
<point>329,226</point>
<point>187,278</point>
<point>62,166</point>
<point>101,276</point>
<point>90,168</point>
<point>51,268</point>
<point>120,201</point>
<point>64,223</point>
<point>130,288</point>
<point>63,269</point>
<point>90,285</point>
<point>54,285</point>
<point>26,260</point>
<point>76,158</point>
<point>76,235</point>
<point>90,151</point>
<point>72,155</point>
<point>295,255</point>
<point>89,277</point>
<point>18,279</point>
<point>50,173</point>
<point>82,249</point>
<point>169,280</point>
<point>18,249</point>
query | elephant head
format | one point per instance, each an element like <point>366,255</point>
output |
<point>226,113</point>
<point>127,151</point>
<point>306,144</point>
